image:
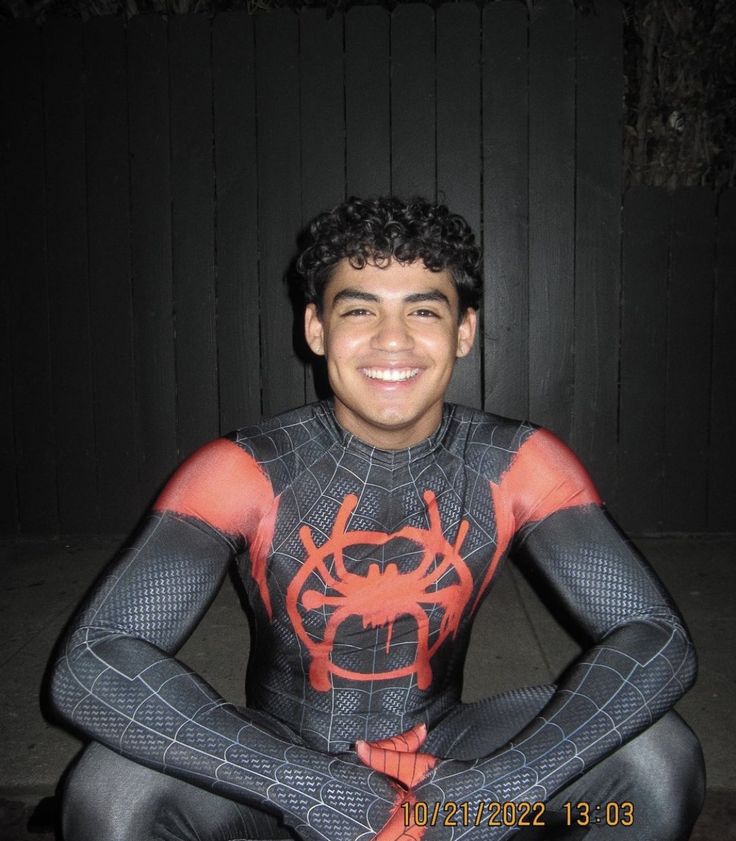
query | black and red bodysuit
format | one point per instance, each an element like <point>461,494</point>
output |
<point>364,569</point>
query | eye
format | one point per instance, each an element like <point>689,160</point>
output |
<point>425,313</point>
<point>356,312</point>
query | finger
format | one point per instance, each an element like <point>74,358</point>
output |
<point>407,768</point>
<point>397,829</point>
<point>409,740</point>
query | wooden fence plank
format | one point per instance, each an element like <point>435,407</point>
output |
<point>323,111</point>
<point>108,220</point>
<point>598,170</point>
<point>458,148</point>
<point>646,225</point>
<point>151,249</point>
<point>66,233</point>
<point>238,341</point>
<point>689,340</point>
<point>24,278</point>
<point>413,140</point>
<point>458,109</point>
<point>367,101</point>
<point>506,209</point>
<point>323,144</point>
<point>279,203</point>
<point>8,479</point>
<point>192,193</point>
<point>722,488</point>
<point>9,153</point>
<point>551,215</point>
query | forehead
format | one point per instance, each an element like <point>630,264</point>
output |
<point>390,282</point>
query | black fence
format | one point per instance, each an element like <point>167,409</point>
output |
<point>156,174</point>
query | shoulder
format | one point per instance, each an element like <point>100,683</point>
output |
<point>219,484</point>
<point>545,476</point>
<point>283,434</point>
<point>287,444</point>
<point>487,443</point>
<point>232,481</point>
<point>531,470</point>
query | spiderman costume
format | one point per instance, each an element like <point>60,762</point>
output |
<point>367,530</point>
<point>364,572</point>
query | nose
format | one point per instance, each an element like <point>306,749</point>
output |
<point>392,335</point>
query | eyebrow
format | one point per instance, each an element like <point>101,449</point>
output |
<point>414,298</point>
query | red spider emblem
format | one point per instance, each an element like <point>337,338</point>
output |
<point>380,596</point>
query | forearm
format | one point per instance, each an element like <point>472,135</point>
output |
<point>131,696</point>
<point>613,692</point>
<point>115,678</point>
<point>640,663</point>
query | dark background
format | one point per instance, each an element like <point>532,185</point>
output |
<point>156,172</point>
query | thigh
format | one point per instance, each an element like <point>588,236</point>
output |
<point>652,788</point>
<point>660,772</point>
<point>473,730</point>
<point>107,796</point>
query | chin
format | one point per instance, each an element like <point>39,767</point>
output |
<point>389,422</point>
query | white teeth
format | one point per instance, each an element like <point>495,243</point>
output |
<point>391,375</point>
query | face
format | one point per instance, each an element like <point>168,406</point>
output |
<point>390,336</point>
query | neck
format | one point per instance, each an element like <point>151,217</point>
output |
<point>389,436</point>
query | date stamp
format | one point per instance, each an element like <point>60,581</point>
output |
<point>483,813</point>
<point>516,815</point>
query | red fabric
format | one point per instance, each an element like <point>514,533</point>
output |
<point>223,486</point>
<point>379,596</point>
<point>399,757</point>
<point>544,477</point>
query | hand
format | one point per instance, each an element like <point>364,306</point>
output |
<point>446,800</point>
<point>399,758</point>
<point>460,800</point>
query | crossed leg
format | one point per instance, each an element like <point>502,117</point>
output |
<point>661,772</point>
<point>110,798</point>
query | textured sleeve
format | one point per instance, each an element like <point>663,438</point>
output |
<point>639,660</point>
<point>116,678</point>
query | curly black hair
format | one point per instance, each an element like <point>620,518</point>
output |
<point>379,230</point>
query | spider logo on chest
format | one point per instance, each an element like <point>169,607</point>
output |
<point>381,595</point>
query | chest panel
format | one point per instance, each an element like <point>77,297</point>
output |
<point>371,573</point>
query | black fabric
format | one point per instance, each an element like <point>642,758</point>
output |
<point>660,772</point>
<point>364,574</point>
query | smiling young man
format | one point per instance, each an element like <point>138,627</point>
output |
<point>394,332</point>
<point>367,530</point>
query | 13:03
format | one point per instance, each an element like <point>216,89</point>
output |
<point>611,813</point>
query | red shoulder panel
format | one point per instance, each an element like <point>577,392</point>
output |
<point>545,476</point>
<point>223,486</point>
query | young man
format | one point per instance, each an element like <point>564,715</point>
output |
<point>367,531</point>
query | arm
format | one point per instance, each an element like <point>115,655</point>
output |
<point>116,678</point>
<point>640,658</point>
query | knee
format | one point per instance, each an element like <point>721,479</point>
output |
<point>668,771</point>
<point>102,799</point>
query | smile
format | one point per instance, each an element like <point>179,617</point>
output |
<point>391,375</point>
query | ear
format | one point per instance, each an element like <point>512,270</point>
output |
<point>466,332</point>
<point>313,330</point>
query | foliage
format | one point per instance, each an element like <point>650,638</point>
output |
<point>680,92</point>
<point>680,76</point>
